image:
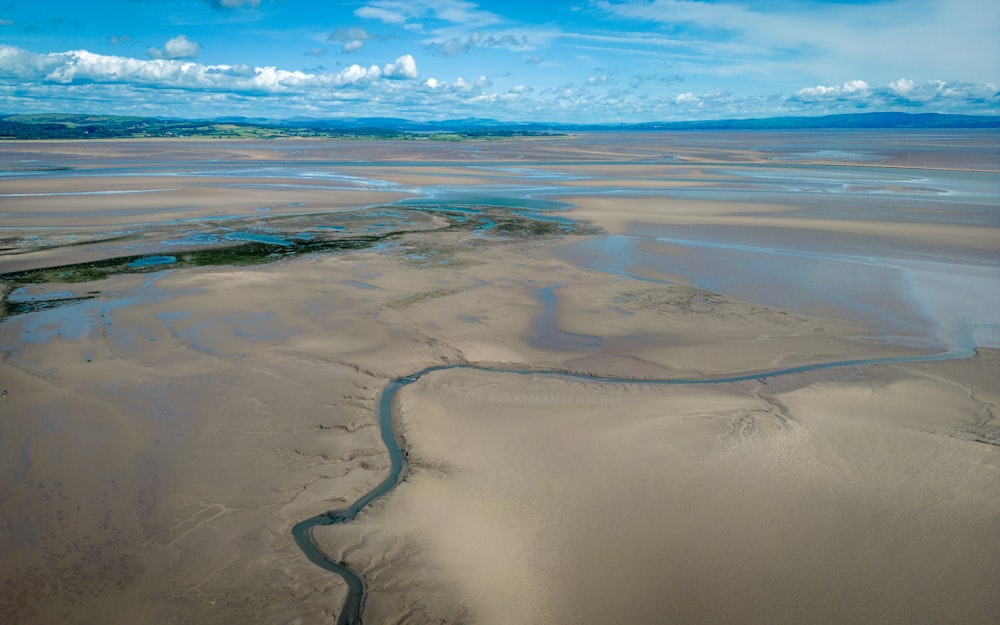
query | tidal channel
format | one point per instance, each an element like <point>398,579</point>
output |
<point>353,610</point>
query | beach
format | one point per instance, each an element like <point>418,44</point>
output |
<point>782,406</point>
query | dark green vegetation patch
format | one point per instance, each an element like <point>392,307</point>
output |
<point>489,222</point>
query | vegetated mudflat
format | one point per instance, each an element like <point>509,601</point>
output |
<point>196,333</point>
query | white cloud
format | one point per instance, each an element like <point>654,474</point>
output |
<point>21,64</point>
<point>910,93</point>
<point>180,47</point>
<point>81,66</point>
<point>467,85</point>
<point>901,86</point>
<point>355,73</point>
<point>902,94</point>
<point>382,15</point>
<point>461,12</point>
<point>849,88</point>
<point>82,81</point>
<point>405,67</point>
<point>353,46</point>
<point>597,80</point>
<point>459,86</point>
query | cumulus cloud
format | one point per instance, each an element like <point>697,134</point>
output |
<point>460,85</point>
<point>902,86</point>
<point>597,80</point>
<point>849,88</point>
<point>21,64</point>
<point>466,85</point>
<point>404,68</point>
<point>904,94</point>
<point>83,67</point>
<point>117,39</point>
<point>180,47</point>
<point>79,80</point>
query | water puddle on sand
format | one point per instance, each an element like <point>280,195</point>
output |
<point>909,302</point>
<point>546,334</point>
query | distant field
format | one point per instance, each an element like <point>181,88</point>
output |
<point>76,126</point>
<point>41,126</point>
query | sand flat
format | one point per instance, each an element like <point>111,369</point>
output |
<point>546,500</point>
<point>621,214</point>
<point>161,438</point>
<point>94,202</point>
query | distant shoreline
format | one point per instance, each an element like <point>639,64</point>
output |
<point>81,126</point>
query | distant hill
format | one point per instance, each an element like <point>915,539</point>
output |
<point>71,126</point>
<point>65,126</point>
<point>849,120</point>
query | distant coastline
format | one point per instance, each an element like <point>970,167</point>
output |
<point>61,126</point>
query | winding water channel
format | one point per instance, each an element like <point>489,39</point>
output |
<point>353,609</point>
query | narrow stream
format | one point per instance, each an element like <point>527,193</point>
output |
<point>354,604</point>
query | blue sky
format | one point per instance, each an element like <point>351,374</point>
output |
<point>583,61</point>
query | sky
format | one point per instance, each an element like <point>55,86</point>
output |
<point>583,61</point>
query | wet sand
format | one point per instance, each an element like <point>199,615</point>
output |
<point>159,441</point>
<point>847,499</point>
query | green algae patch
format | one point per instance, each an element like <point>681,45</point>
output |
<point>490,222</point>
